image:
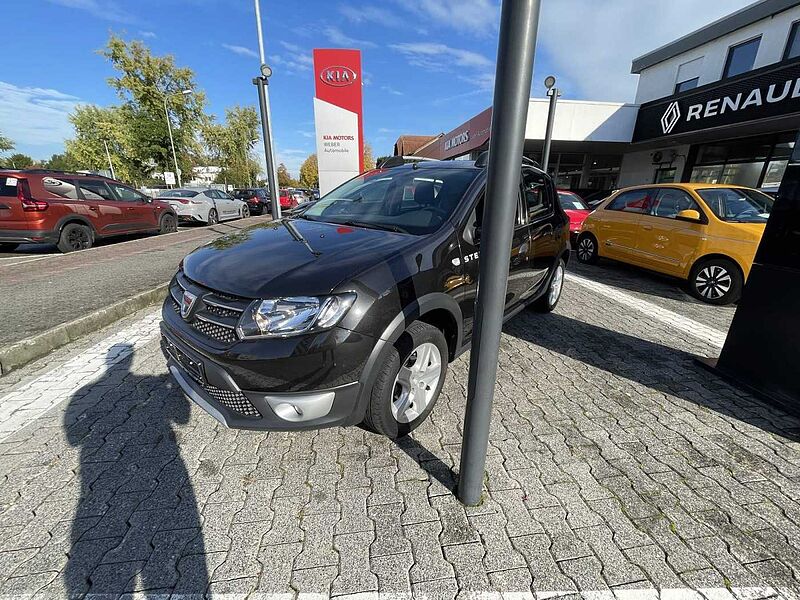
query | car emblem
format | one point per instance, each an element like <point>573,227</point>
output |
<point>338,76</point>
<point>187,304</point>
<point>671,117</point>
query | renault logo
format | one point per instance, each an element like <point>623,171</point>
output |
<point>671,117</point>
<point>187,304</point>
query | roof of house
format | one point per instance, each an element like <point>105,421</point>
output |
<point>408,144</point>
<point>728,24</point>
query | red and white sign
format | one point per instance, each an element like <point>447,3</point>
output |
<point>338,116</point>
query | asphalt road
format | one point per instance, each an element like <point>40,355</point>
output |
<point>42,289</point>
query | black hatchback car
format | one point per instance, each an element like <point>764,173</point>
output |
<point>351,312</point>
<point>257,199</point>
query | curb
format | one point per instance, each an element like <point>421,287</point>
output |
<point>20,353</point>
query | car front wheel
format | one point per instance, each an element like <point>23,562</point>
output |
<point>716,281</point>
<point>409,381</point>
<point>550,298</point>
<point>587,249</point>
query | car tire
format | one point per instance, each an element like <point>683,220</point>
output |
<point>586,249</point>
<point>549,300</point>
<point>168,224</point>
<point>213,217</point>
<point>400,402</point>
<point>8,247</point>
<point>716,281</point>
<point>245,212</point>
<point>75,236</point>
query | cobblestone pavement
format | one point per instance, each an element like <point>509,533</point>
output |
<point>616,469</point>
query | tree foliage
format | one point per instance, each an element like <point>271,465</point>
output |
<point>285,178</point>
<point>230,145</point>
<point>62,162</point>
<point>94,128</point>
<point>309,172</point>
<point>369,158</point>
<point>20,161</point>
<point>5,144</point>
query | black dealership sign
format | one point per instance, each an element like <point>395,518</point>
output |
<point>772,91</point>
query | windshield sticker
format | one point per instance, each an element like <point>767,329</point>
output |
<point>12,181</point>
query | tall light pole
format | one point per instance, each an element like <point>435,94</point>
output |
<point>554,93</point>
<point>262,82</point>
<point>519,21</point>
<point>169,128</point>
<point>108,154</point>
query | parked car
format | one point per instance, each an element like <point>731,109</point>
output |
<point>73,210</point>
<point>257,199</point>
<point>371,294</point>
<point>207,206</point>
<point>577,210</point>
<point>706,234</point>
<point>287,200</point>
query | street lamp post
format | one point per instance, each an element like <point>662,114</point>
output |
<point>554,93</point>
<point>108,156</point>
<point>169,128</point>
<point>519,21</point>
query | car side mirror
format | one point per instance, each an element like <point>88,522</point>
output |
<point>689,215</point>
<point>476,233</point>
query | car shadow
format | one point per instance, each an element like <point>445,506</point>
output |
<point>136,526</point>
<point>653,365</point>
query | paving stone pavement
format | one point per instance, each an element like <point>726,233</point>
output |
<point>616,469</point>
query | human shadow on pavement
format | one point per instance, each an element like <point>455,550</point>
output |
<point>136,526</point>
<point>653,365</point>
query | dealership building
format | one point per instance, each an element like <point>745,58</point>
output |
<point>719,105</point>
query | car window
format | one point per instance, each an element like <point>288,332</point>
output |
<point>738,205</point>
<point>95,189</point>
<point>8,186</point>
<point>476,218</point>
<point>570,201</point>
<point>669,202</point>
<point>177,194</point>
<point>126,194</point>
<point>535,193</point>
<point>60,187</point>
<point>635,201</point>
<point>416,201</point>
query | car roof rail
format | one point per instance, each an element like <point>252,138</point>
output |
<point>62,172</point>
<point>483,160</point>
<point>396,161</point>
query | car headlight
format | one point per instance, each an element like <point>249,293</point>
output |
<point>282,317</point>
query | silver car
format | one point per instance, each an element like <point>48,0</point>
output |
<point>208,206</point>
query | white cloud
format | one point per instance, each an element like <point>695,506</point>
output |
<point>148,34</point>
<point>591,55</point>
<point>241,50</point>
<point>390,90</point>
<point>35,116</point>
<point>294,61</point>
<point>337,37</point>
<point>479,17</point>
<point>370,14</point>
<point>305,134</point>
<point>102,9</point>
<point>434,56</point>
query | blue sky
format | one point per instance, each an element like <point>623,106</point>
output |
<point>429,64</point>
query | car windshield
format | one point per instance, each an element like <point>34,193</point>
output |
<point>413,201</point>
<point>177,194</point>
<point>738,205</point>
<point>570,201</point>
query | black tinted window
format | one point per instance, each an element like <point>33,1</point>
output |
<point>741,58</point>
<point>635,201</point>
<point>177,194</point>
<point>793,45</point>
<point>535,193</point>
<point>95,189</point>
<point>8,186</point>
<point>689,84</point>
<point>60,187</point>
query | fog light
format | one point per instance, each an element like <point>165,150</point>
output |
<point>301,407</point>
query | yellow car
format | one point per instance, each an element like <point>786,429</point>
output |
<point>704,233</point>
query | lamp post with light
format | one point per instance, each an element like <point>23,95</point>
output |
<point>554,93</point>
<point>169,128</point>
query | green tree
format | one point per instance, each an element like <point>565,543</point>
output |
<point>230,145</point>
<point>144,83</point>
<point>62,162</point>
<point>20,161</point>
<point>309,172</point>
<point>369,160</point>
<point>96,128</point>
<point>380,159</point>
<point>5,144</point>
<point>284,177</point>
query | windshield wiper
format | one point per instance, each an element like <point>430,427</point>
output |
<point>371,225</point>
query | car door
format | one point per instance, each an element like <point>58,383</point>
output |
<point>230,206</point>
<point>136,209</point>
<point>666,243</point>
<point>539,201</point>
<point>618,226</point>
<point>520,276</point>
<point>105,211</point>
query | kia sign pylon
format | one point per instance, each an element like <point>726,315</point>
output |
<point>338,116</point>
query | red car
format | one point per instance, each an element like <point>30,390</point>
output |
<point>287,199</point>
<point>577,210</point>
<point>72,210</point>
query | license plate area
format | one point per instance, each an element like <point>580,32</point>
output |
<point>193,368</point>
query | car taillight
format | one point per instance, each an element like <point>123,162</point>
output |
<point>192,201</point>
<point>28,203</point>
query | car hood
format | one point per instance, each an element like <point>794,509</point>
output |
<point>272,260</point>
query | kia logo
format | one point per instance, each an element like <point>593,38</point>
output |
<point>338,76</point>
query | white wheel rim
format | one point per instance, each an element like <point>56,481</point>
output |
<point>416,383</point>
<point>556,285</point>
<point>713,282</point>
<point>585,249</point>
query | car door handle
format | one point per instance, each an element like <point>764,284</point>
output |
<point>647,227</point>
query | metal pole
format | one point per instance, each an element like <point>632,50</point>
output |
<point>518,24</point>
<point>274,192</point>
<point>266,120</point>
<point>172,143</point>
<point>110,164</point>
<point>548,136</point>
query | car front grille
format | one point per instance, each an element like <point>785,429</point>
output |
<point>235,401</point>
<point>214,315</point>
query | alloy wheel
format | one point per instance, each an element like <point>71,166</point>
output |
<point>245,212</point>
<point>713,282</point>
<point>78,238</point>
<point>585,249</point>
<point>556,285</point>
<point>212,217</point>
<point>416,383</point>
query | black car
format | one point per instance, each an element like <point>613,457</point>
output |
<point>257,199</point>
<point>351,312</point>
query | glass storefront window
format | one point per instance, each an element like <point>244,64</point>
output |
<point>774,173</point>
<point>746,174</point>
<point>707,174</point>
<point>666,175</point>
